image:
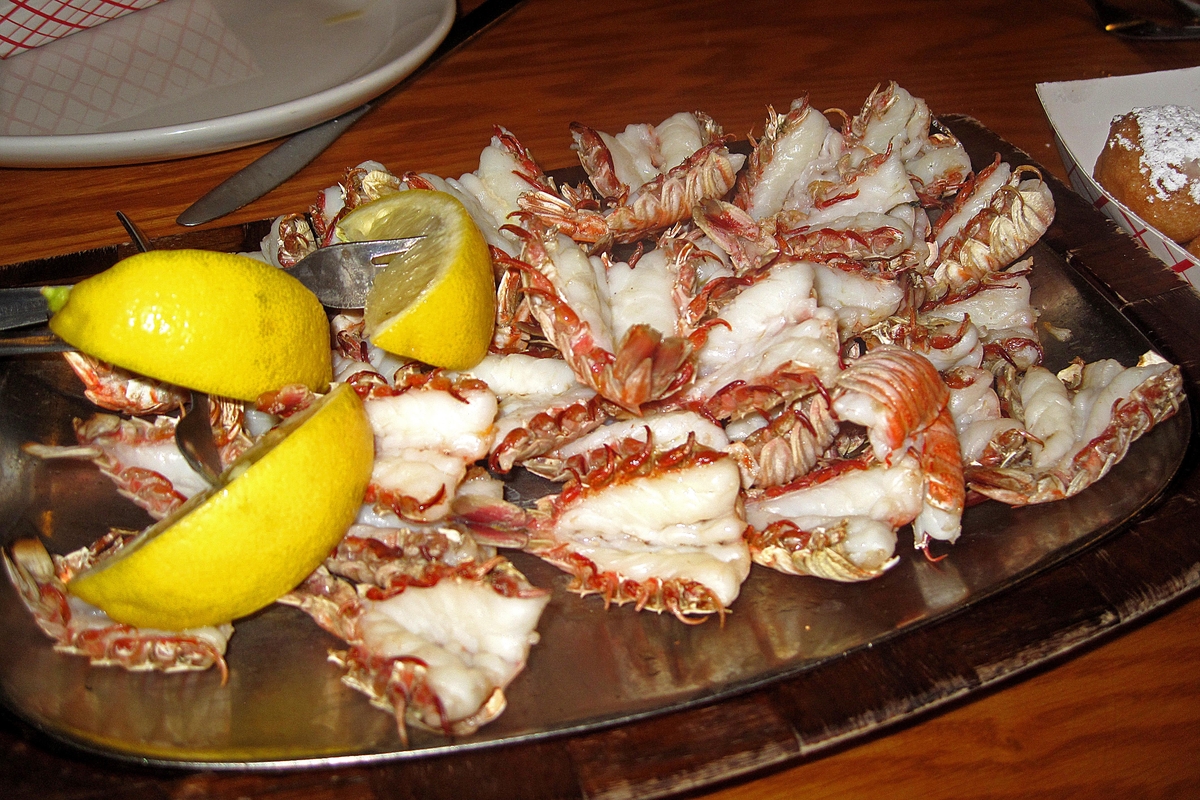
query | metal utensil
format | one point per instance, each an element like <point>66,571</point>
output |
<point>136,235</point>
<point>194,438</point>
<point>270,170</point>
<point>26,305</point>
<point>1120,22</point>
<point>340,275</point>
<point>22,306</point>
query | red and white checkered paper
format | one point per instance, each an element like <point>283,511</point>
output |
<point>25,24</point>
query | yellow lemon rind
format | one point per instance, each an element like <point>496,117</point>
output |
<point>419,338</point>
<point>449,322</point>
<point>215,322</point>
<point>235,549</point>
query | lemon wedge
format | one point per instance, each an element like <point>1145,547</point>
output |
<point>216,322</point>
<point>234,549</point>
<point>437,302</point>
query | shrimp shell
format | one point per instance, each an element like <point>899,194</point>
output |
<point>1154,400</point>
<point>819,553</point>
<point>894,393</point>
<point>709,172</point>
<point>1013,219</point>
<point>41,582</point>
<point>118,389</point>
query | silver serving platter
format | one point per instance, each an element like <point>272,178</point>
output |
<point>284,705</point>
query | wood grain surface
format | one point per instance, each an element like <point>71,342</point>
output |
<point>1110,717</point>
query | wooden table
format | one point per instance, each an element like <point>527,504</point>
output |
<point>1121,719</point>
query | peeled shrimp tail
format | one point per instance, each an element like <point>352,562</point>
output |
<point>1089,435</point>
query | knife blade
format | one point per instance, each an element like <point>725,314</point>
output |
<point>273,168</point>
<point>270,170</point>
<point>22,306</point>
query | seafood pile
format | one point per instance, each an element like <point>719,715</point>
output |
<point>717,360</point>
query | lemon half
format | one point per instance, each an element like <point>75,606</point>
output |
<point>232,550</point>
<point>437,302</point>
<point>220,323</point>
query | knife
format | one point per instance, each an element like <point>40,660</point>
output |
<point>270,170</point>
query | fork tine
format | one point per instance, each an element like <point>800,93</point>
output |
<point>388,248</point>
<point>341,274</point>
<point>139,239</point>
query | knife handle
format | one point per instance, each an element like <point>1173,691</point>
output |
<point>40,340</point>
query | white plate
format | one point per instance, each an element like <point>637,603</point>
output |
<point>196,76</point>
<point>1080,113</point>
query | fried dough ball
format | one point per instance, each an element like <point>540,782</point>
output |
<point>1194,247</point>
<point>1151,163</point>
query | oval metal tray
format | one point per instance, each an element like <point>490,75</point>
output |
<point>594,669</point>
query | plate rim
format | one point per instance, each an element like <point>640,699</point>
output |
<point>227,132</point>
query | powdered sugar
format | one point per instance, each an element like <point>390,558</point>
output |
<point>1170,140</point>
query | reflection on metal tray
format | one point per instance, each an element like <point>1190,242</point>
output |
<point>284,703</point>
